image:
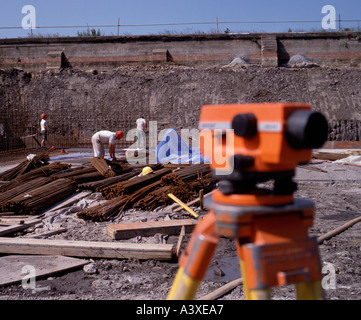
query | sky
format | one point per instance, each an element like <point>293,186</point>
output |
<point>82,14</point>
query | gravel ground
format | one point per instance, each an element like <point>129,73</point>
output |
<point>334,187</point>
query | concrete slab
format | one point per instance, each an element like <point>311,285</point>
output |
<point>13,268</point>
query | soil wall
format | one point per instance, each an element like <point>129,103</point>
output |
<point>79,103</point>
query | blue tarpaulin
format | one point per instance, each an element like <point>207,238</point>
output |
<point>172,149</point>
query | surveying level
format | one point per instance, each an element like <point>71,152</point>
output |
<point>269,225</point>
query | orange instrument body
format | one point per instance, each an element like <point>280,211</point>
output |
<point>265,142</point>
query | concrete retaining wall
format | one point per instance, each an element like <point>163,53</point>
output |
<point>104,53</point>
<point>324,49</point>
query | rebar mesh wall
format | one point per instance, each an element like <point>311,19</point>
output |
<point>16,120</point>
<point>80,103</point>
<point>75,109</point>
<point>20,117</point>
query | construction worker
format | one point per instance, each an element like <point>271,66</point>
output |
<point>105,137</point>
<point>141,127</point>
<point>44,129</point>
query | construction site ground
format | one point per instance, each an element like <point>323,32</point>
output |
<point>332,185</point>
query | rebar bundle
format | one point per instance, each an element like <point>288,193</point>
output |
<point>192,172</point>
<point>147,192</point>
<point>99,185</point>
<point>44,171</point>
<point>172,180</point>
<point>87,177</point>
<point>103,168</point>
<point>108,168</point>
<point>198,176</point>
<point>35,201</point>
<point>159,197</point>
<point>38,189</point>
<point>196,179</point>
<point>79,175</point>
<point>68,173</point>
<point>21,189</point>
<point>118,167</point>
<point>25,166</point>
<point>114,206</point>
<point>132,185</point>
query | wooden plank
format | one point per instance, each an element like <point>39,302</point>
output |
<point>46,234</point>
<point>222,290</point>
<point>6,214</point>
<point>6,230</point>
<point>12,267</point>
<point>342,145</point>
<point>11,221</point>
<point>329,155</point>
<point>180,240</point>
<point>183,205</point>
<point>150,228</point>
<point>201,194</point>
<point>14,217</point>
<point>193,202</point>
<point>87,249</point>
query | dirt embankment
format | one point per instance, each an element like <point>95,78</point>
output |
<point>80,103</point>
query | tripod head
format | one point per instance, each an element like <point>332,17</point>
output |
<point>266,141</point>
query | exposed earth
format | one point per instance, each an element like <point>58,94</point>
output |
<point>333,186</point>
<point>80,103</point>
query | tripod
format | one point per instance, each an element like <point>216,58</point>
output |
<point>272,245</point>
<point>269,225</point>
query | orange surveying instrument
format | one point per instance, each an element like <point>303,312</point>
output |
<point>265,142</point>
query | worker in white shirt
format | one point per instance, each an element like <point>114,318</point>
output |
<point>141,127</point>
<point>44,129</point>
<point>102,138</point>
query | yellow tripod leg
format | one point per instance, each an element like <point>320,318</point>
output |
<point>245,285</point>
<point>184,287</point>
<point>259,294</point>
<point>195,259</point>
<point>309,290</point>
